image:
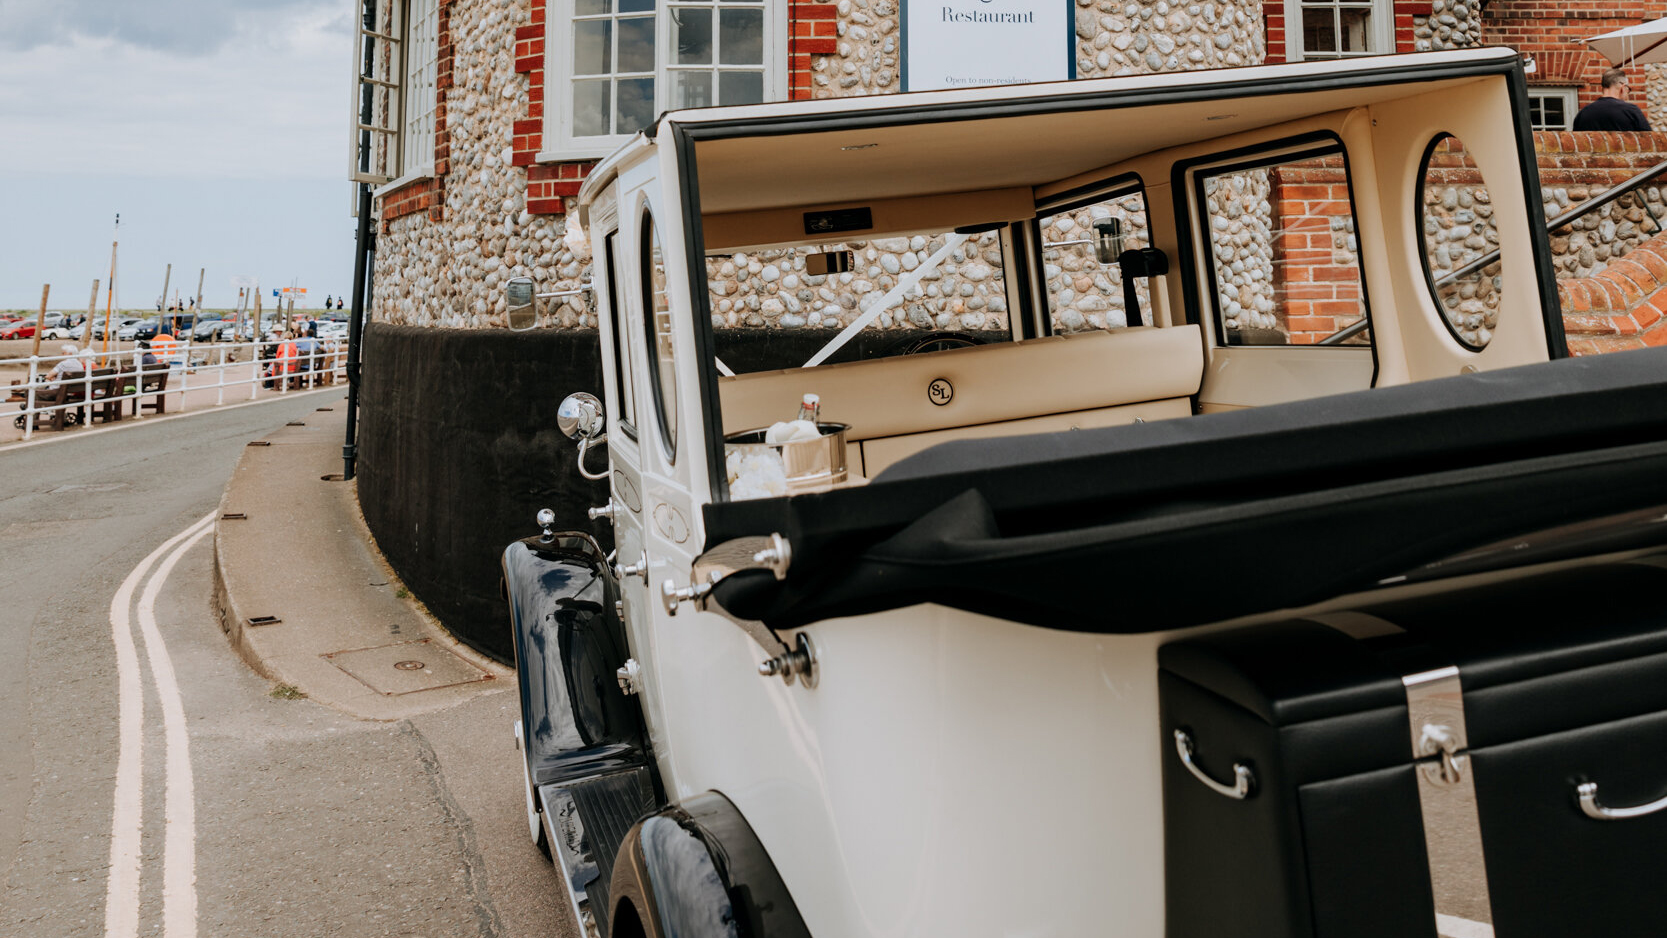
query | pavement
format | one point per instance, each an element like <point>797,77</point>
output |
<point>307,600</point>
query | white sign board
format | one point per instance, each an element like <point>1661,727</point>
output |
<point>967,43</point>
<point>242,281</point>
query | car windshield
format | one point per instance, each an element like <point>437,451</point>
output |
<point>846,301</point>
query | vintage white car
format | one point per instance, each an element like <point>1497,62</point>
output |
<point>1180,446</point>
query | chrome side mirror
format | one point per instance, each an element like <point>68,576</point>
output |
<point>580,418</point>
<point>519,298</point>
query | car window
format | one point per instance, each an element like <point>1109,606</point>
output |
<point>1080,247</point>
<point>662,358</point>
<point>1460,245</point>
<point>1283,257</point>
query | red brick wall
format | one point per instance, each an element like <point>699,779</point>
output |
<point>1551,33</point>
<point>1315,285</point>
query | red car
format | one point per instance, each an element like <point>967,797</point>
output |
<point>21,329</point>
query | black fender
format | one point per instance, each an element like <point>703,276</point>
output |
<point>569,644</point>
<point>697,870</point>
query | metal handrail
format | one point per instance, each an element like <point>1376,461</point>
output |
<point>1346,333</point>
<point>1580,211</point>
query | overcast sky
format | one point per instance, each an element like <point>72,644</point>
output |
<point>217,128</point>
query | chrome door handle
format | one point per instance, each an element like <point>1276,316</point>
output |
<point>1243,781</point>
<point>1588,792</point>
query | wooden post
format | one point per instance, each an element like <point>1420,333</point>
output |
<point>110,297</point>
<point>40,320</point>
<point>87,324</point>
<point>167,278</point>
<point>200,272</point>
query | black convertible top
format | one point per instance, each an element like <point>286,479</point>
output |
<point>1181,522</point>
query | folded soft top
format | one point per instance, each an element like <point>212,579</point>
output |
<point>1179,522</point>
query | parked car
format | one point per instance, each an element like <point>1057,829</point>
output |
<point>205,329</point>
<point>1116,594</point>
<point>18,329</point>
<point>117,324</point>
<point>144,329</point>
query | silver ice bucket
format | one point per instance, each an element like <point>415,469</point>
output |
<point>811,465</point>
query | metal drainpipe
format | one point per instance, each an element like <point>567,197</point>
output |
<point>364,247</point>
<point>355,329</point>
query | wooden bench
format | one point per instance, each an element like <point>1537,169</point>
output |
<point>152,380</point>
<point>899,406</point>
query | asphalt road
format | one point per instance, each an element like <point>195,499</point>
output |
<point>220,809</point>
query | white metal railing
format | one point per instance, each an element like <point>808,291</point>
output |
<point>108,380</point>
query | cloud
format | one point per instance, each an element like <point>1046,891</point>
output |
<point>273,103</point>
<point>178,27</point>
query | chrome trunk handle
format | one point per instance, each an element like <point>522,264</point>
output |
<point>1588,792</point>
<point>1243,780</point>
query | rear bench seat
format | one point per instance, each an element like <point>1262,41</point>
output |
<point>1091,379</point>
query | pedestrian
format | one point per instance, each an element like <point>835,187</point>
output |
<point>1612,111</point>
<point>338,302</point>
<point>327,300</point>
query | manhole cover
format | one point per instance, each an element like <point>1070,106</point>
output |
<point>391,670</point>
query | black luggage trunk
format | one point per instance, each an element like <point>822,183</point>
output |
<point>1564,683</point>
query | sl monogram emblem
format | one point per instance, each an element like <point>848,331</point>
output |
<point>940,391</point>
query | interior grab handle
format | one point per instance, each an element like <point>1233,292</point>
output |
<point>1243,781</point>
<point>1588,792</point>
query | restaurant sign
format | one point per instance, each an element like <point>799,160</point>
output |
<point>966,43</point>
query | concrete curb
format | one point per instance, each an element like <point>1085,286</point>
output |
<point>291,544</point>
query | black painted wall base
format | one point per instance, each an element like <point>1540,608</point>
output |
<point>458,449</point>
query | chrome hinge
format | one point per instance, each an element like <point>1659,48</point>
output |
<point>640,568</point>
<point>629,676</point>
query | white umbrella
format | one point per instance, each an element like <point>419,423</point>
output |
<point>1644,44</point>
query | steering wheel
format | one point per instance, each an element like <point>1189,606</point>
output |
<point>936,341</point>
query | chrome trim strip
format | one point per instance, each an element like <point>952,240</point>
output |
<point>566,833</point>
<point>1243,781</point>
<point>1588,794</point>
<point>1447,803</point>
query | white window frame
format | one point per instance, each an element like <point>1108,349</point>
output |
<point>417,97</point>
<point>1380,41</point>
<point>559,142</point>
<point>1571,103</point>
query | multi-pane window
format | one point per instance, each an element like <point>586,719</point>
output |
<point>612,89</point>
<point>1551,108</point>
<point>616,64</point>
<point>1334,29</point>
<point>422,54</point>
<point>717,54</point>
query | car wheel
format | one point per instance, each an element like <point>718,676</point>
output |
<point>535,821</point>
<point>930,342</point>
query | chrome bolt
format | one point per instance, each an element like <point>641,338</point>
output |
<point>799,662</point>
<point>603,511</point>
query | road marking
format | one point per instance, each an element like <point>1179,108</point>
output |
<point>179,864</point>
<point>121,901</point>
